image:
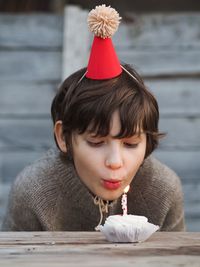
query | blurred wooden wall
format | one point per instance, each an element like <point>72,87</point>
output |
<point>30,71</point>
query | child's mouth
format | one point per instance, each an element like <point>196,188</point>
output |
<point>111,184</point>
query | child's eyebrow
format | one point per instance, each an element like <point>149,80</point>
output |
<point>92,134</point>
<point>137,135</point>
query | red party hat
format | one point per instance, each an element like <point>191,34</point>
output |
<point>103,62</point>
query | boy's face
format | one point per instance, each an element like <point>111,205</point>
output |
<point>107,165</point>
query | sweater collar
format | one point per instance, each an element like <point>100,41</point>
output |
<point>74,189</point>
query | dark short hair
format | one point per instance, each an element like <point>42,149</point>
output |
<point>90,104</point>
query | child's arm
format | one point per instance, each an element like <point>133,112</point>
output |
<point>175,220</point>
<point>20,215</point>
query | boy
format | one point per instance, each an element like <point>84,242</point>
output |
<point>105,127</point>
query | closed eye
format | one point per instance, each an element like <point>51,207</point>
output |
<point>95,144</point>
<point>129,145</point>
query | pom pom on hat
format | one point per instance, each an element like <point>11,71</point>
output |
<point>103,62</point>
<point>103,21</point>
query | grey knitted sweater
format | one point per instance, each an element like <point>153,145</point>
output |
<point>49,196</point>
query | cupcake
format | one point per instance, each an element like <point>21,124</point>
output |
<point>127,228</point>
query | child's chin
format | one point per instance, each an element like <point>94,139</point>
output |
<point>110,196</point>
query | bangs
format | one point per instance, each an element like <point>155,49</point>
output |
<point>134,115</point>
<point>101,124</point>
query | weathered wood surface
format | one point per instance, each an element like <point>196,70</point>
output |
<point>75,40</point>
<point>28,133</point>
<point>161,44</point>
<point>26,99</point>
<point>157,44</point>
<point>30,66</point>
<point>186,163</point>
<point>30,70</point>
<point>177,97</point>
<point>41,31</point>
<point>91,249</point>
<point>18,159</point>
<point>158,30</point>
<point>163,63</point>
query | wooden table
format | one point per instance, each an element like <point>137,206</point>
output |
<point>91,249</point>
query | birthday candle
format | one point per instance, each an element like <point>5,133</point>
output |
<point>124,200</point>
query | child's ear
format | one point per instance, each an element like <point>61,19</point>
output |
<point>58,131</point>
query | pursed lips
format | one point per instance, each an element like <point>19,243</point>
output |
<point>111,184</point>
<point>113,180</point>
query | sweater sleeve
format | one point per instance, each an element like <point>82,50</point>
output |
<point>19,215</point>
<point>174,220</point>
<point>162,195</point>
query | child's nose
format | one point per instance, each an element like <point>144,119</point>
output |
<point>114,160</point>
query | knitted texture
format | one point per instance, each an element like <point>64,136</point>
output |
<point>49,196</point>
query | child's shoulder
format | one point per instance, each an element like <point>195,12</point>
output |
<point>43,165</point>
<point>157,176</point>
<point>43,173</point>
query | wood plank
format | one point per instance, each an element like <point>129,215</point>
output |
<point>42,30</point>
<point>186,163</point>
<point>30,66</point>
<point>158,239</point>
<point>54,257</point>
<point>163,42</point>
<point>91,249</point>
<point>27,134</point>
<point>33,256</point>
<point>167,30</point>
<point>176,97</point>
<point>182,133</point>
<point>192,210</point>
<point>13,162</point>
<point>26,98</point>
<point>163,62</point>
<point>4,193</point>
<point>76,41</point>
<point>192,190</point>
<point>192,225</point>
<point>192,204</point>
